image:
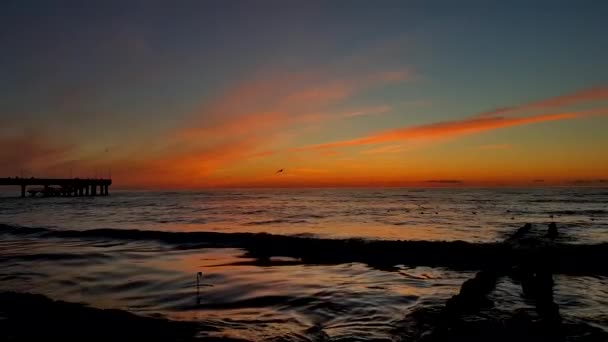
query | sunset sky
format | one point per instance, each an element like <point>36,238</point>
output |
<point>189,94</point>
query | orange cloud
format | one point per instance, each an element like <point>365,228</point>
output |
<point>270,102</point>
<point>386,149</point>
<point>454,128</point>
<point>496,147</point>
<point>306,171</point>
<point>194,167</point>
<point>236,126</point>
<point>262,154</point>
<point>591,94</point>
<point>31,151</point>
<point>241,124</point>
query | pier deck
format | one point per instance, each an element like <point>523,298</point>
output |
<point>53,187</point>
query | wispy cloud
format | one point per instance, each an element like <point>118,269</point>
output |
<point>448,129</point>
<point>386,149</point>
<point>31,151</point>
<point>586,95</point>
<point>191,167</point>
<point>496,147</point>
<point>441,130</point>
<point>245,124</point>
<point>367,111</point>
<point>262,154</point>
<point>271,102</point>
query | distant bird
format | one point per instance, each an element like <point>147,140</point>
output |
<point>279,171</point>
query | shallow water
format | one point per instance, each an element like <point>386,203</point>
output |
<point>292,301</point>
<point>286,299</point>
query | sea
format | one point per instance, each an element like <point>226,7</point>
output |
<point>44,249</point>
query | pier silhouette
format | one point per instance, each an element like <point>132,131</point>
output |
<point>56,187</point>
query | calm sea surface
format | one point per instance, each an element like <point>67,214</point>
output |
<point>286,300</point>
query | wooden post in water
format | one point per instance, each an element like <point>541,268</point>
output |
<point>22,190</point>
<point>199,276</point>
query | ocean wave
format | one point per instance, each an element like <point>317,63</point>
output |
<point>578,212</point>
<point>263,223</point>
<point>255,212</point>
<point>381,254</point>
<point>566,200</point>
<point>305,216</point>
<point>56,257</point>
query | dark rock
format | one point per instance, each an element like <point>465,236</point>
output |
<point>552,231</point>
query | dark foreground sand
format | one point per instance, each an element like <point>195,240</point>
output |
<point>29,317</point>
